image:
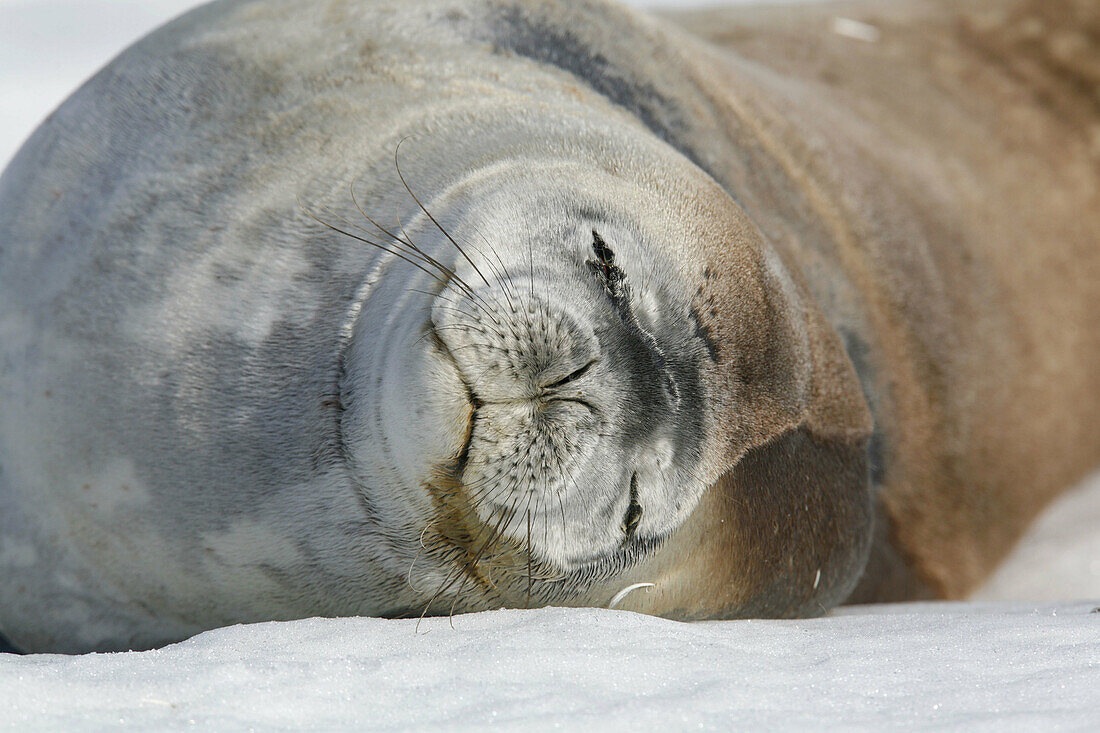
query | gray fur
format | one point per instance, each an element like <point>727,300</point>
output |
<point>191,426</point>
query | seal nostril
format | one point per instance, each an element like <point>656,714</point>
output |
<point>634,509</point>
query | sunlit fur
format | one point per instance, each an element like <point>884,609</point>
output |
<point>365,307</point>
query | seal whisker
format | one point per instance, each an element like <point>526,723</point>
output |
<point>405,250</point>
<point>427,213</point>
<point>527,602</point>
<point>466,571</point>
<point>474,327</point>
<point>407,241</point>
<point>456,308</point>
<point>366,238</point>
<point>501,275</point>
<point>545,526</point>
<point>489,491</point>
<point>395,253</point>
<point>412,565</point>
<point>618,597</point>
<point>474,295</point>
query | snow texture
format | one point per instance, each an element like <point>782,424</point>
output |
<point>978,666</point>
<point>982,667</point>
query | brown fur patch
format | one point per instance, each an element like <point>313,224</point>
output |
<point>953,163</point>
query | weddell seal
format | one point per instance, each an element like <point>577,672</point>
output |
<point>391,308</point>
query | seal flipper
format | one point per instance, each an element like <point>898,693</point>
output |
<point>787,528</point>
<point>786,532</point>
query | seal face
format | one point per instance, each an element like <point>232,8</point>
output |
<point>579,439</point>
<point>591,416</point>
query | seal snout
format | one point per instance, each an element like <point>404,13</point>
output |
<point>511,351</point>
<point>570,449</point>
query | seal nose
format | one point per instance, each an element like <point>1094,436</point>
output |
<point>510,349</point>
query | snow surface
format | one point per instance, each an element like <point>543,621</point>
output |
<point>979,665</point>
<point>923,666</point>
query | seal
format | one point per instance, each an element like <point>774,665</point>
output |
<point>363,308</point>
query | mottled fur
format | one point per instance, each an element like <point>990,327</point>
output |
<point>797,281</point>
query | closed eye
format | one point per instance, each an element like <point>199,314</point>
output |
<point>571,376</point>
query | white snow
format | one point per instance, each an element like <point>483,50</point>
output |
<point>985,667</point>
<point>1059,558</point>
<point>1029,664</point>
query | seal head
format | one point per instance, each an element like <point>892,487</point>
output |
<point>595,371</point>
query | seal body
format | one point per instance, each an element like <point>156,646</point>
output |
<point>391,308</point>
